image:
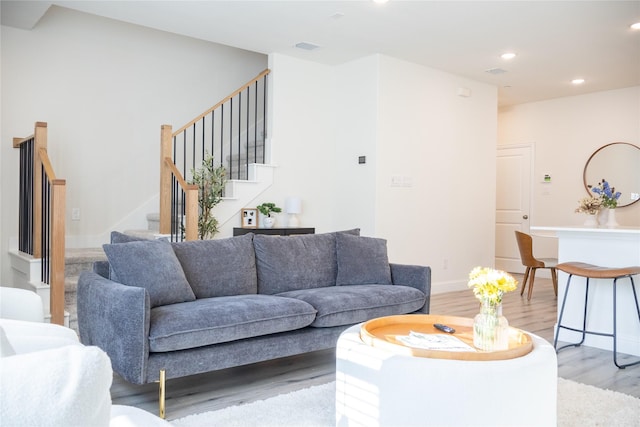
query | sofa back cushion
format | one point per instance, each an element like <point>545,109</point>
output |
<point>362,260</point>
<point>222,267</point>
<point>150,264</point>
<point>295,262</point>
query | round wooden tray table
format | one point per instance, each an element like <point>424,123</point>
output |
<point>382,333</point>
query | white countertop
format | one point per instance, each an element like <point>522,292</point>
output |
<point>582,229</point>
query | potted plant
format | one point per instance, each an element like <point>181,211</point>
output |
<point>266,209</point>
<point>210,181</point>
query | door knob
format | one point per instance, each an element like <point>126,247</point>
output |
<point>525,216</point>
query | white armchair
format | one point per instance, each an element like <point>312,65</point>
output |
<point>48,378</point>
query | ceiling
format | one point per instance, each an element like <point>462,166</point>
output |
<point>555,41</point>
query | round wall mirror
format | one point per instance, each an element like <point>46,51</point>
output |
<point>619,164</point>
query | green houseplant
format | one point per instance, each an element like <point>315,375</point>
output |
<point>267,209</point>
<point>210,181</point>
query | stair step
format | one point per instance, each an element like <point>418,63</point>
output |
<point>77,260</point>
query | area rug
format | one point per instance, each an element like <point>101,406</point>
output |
<point>578,405</point>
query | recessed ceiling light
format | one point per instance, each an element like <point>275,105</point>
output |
<point>380,1</point>
<point>577,81</point>
<point>635,26</point>
<point>508,55</point>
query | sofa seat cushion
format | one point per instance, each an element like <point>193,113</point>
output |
<point>222,319</point>
<point>346,305</point>
<point>220,267</point>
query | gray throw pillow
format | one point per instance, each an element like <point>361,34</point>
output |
<point>302,261</point>
<point>362,260</point>
<point>117,237</point>
<point>150,264</point>
<point>222,267</point>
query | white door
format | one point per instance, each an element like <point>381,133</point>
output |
<point>513,188</point>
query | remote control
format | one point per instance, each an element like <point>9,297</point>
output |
<point>444,328</point>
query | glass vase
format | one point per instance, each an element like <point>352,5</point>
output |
<point>490,328</point>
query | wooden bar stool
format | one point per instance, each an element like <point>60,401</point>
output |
<point>590,271</point>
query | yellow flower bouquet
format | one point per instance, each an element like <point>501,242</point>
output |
<point>489,285</point>
<point>490,327</point>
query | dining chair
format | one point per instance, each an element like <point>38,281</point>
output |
<point>525,245</point>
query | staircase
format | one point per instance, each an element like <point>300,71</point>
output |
<point>77,261</point>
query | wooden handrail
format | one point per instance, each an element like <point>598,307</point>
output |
<point>185,186</point>
<point>237,91</point>
<point>46,164</point>
<point>191,201</point>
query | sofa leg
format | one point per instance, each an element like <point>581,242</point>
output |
<point>161,393</point>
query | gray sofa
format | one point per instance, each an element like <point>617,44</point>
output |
<point>193,307</point>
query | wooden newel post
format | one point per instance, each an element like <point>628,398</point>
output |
<point>40,143</point>
<point>58,207</point>
<point>191,213</point>
<point>165,179</point>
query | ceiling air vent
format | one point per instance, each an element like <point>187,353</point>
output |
<point>495,71</point>
<point>307,46</point>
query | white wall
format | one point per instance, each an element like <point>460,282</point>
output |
<point>408,121</point>
<point>565,133</point>
<point>104,87</point>
<point>443,145</point>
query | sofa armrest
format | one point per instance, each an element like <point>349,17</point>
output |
<point>101,268</point>
<point>115,317</point>
<point>415,276</point>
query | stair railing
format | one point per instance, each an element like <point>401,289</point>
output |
<point>41,215</point>
<point>233,131</point>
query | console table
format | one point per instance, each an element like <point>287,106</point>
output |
<point>607,247</point>
<point>284,231</point>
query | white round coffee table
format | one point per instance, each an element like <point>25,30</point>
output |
<point>378,386</point>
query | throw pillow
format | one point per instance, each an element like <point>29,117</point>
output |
<point>150,264</point>
<point>117,237</point>
<point>362,260</point>
<point>222,267</point>
<point>302,261</point>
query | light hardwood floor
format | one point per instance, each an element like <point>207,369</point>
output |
<point>216,390</point>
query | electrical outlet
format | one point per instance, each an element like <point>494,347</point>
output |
<point>75,214</point>
<point>445,264</point>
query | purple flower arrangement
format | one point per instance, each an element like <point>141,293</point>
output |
<point>607,193</point>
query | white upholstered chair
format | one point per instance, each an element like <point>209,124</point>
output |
<point>20,304</point>
<point>47,377</point>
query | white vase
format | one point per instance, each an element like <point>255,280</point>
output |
<point>268,222</point>
<point>591,220</point>
<point>611,218</point>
